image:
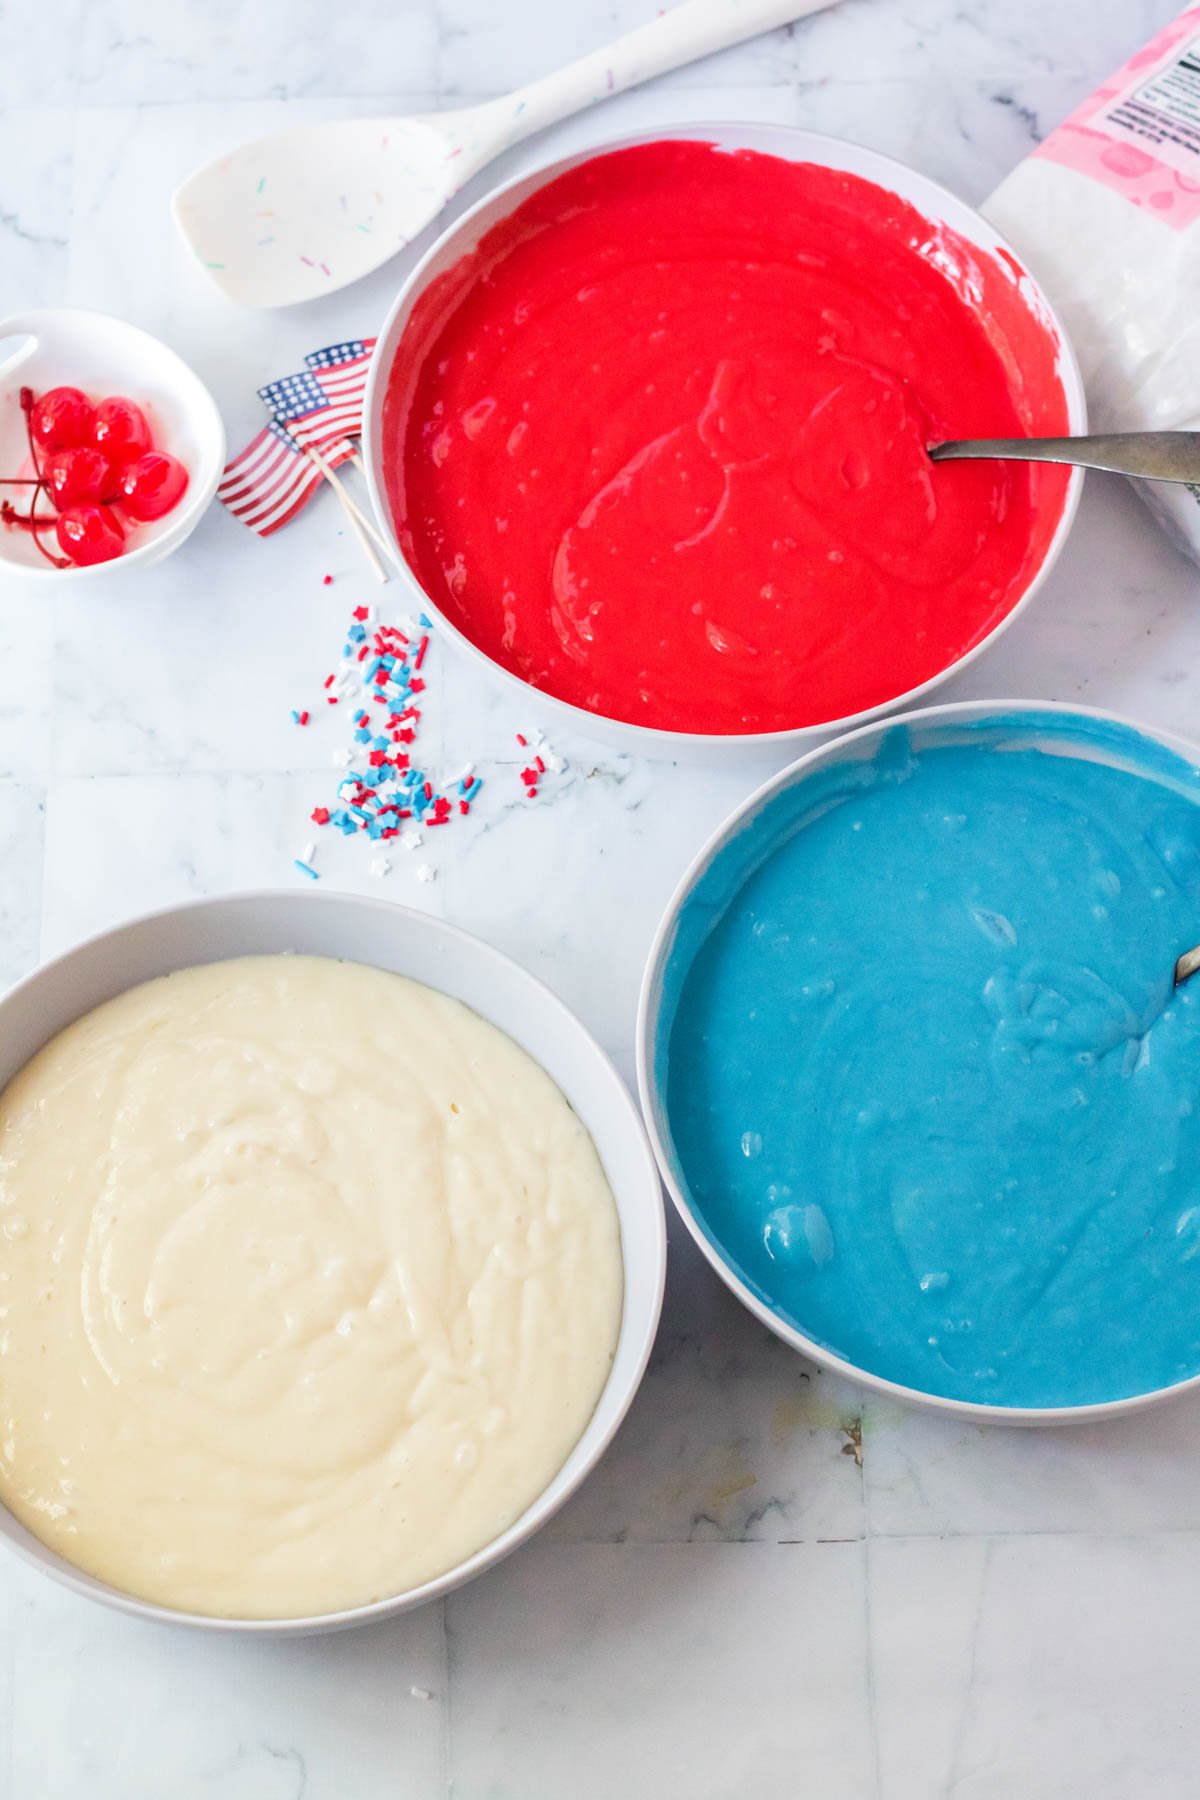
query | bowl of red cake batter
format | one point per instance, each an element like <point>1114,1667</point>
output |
<point>648,429</point>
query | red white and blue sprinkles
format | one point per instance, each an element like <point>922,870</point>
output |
<point>383,786</point>
<point>383,791</point>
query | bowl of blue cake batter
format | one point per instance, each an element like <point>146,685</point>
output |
<point>915,1069</point>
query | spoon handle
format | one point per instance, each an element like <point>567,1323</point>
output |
<point>1152,455</point>
<point>1187,965</point>
<point>682,35</point>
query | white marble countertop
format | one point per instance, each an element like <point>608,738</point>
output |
<point>774,1585</point>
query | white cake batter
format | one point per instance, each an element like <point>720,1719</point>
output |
<point>310,1279</point>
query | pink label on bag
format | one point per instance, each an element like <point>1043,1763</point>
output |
<point>1140,133</point>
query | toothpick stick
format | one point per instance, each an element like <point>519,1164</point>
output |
<point>350,511</point>
<point>349,501</point>
<point>357,460</point>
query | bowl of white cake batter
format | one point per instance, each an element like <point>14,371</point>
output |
<point>331,1255</point>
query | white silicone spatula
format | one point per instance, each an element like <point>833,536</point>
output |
<point>294,216</point>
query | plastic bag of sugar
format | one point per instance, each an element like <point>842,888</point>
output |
<point>1106,214</point>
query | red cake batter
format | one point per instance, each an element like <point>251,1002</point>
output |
<point>658,444</point>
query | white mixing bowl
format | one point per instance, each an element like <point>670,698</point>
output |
<point>934,202</point>
<point>409,943</point>
<point>1041,725</point>
<point>68,346</point>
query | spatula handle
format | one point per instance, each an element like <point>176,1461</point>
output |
<point>694,29</point>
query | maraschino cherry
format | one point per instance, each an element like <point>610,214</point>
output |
<point>120,430</point>
<point>89,534</point>
<point>76,476</point>
<point>98,467</point>
<point>153,485</point>
<point>60,419</point>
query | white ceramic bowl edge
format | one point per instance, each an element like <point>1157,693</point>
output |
<point>849,745</point>
<point>72,347</point>
<point>379,933</point>
<point>931,199</point>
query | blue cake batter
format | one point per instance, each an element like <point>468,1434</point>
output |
<point>927,1083</point>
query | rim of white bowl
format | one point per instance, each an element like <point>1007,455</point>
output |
<point>195,502</point>
<point>654,1105</point>
<point>657,741</point>
<point>22,1542</point>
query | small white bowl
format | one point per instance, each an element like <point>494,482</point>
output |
<point>933,201</point>
<point>69,347</point>
<point>410,943</point>
<point>1022,722</point>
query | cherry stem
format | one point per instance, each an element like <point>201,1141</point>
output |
<point>28,522</point>
<point>59,562</point>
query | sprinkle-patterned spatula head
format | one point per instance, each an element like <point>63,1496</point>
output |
<point>293,216</point>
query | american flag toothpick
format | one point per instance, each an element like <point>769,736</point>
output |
<point>342,370</point>
<point>272,479</point>
<point>315,415</point>
<point>301,403</point>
